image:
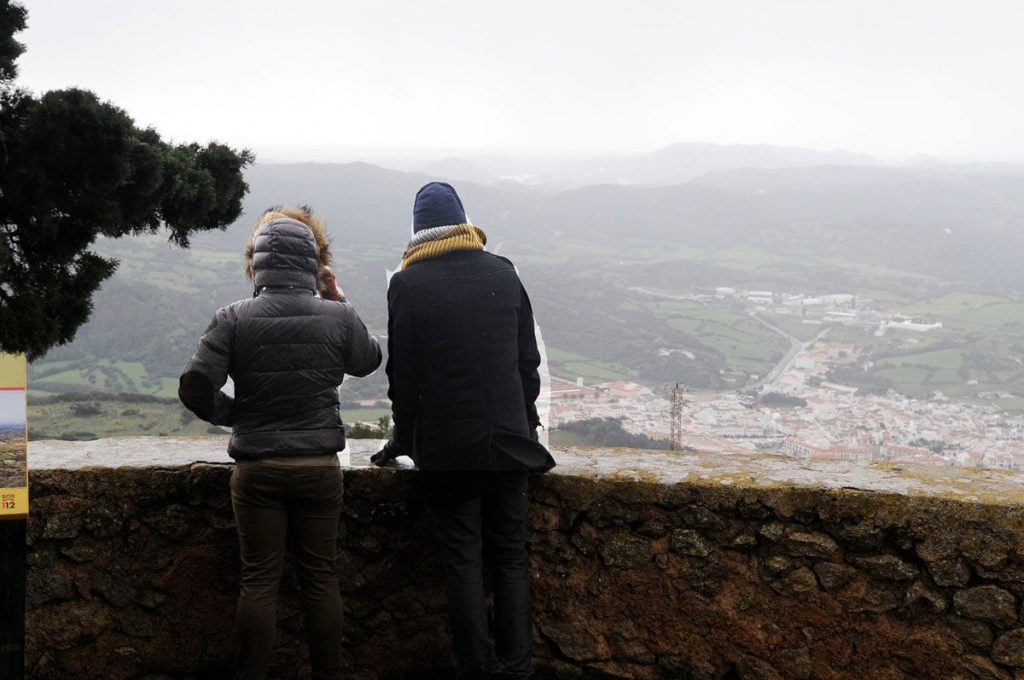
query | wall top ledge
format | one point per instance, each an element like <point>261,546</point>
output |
<point>758,471</point>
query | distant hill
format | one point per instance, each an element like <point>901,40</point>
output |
<point>958,226</point>
<point>954,224</point>
<point>362,203</point>
<point>458,169</point>
<point>673,164</point>
<point>681,163</point>
<point>912,233</point>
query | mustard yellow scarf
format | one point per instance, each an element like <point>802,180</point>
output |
<point>441,240</point>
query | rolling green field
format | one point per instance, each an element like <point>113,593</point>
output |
<point>976,356</point>
<point>100,375</point>
<point>111,417</point>
<point>971,313</point>
<point>705,342</point>
<point>82,417</point>
<point>570,365</point>
<point>747,345</point>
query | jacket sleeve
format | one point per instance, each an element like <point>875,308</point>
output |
<point>207,371</point>
<point>361,352</point>
<point>529,359</point>
<point>402,365</point>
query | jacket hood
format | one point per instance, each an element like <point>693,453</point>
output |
<point>285,255</point>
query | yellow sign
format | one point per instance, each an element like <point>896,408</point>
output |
<point>13,436</point>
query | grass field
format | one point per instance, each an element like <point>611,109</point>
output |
<point>601,371</point>
<point>95,418</point>
<point>794,325</point>
<point>712,337</point>
<point>570,365</point>
<point>747,345</point>
<point>564,439</point>
<point>363,415</point>
<point>561,356</point>
<point>91,419</point>
<point>101,375</point>
<point>948,371</point>
<point>975,356</point>
<point>872,271</point>
<point>150,259</point>
<point>884,298</point>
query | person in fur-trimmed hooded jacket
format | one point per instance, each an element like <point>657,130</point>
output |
<point>463,381</point>
<point>287,349</point>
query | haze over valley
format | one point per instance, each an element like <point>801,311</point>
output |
<point>702,265</point>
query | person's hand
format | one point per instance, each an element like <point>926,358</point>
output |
<point>328,285</point>
<point>387,455</point>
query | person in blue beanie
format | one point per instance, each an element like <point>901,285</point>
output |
<point>463,382</point>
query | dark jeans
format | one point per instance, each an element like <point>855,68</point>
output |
<point>477,514</point>
<point>275,504</point>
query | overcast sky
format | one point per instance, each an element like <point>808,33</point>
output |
<point>888,77</point>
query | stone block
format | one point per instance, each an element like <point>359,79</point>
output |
<point>625,550</point>
<point>950,572</point>
<point>922,598</point>
<point>813,544</point>
<point>981,668</point>
<point>976,633</point>
<point>987,603</point>
<point>885,567</point>
<point>834,576</point>
<point>1008,649</point>
<point>689,542</point>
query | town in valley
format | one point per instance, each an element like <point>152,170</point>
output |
<point>797,409</point>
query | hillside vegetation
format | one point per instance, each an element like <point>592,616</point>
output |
<point>942,243</point>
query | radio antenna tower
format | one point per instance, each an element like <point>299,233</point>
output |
<point>677,418</point>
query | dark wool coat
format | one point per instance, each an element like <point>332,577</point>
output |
<point>287,351</point>
<point>462,365</point>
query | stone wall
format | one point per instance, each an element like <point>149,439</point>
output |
<point>646,565</point>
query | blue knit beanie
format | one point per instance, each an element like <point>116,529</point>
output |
<point>437,205</point>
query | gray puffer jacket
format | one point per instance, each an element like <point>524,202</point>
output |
<point>287,351</point>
